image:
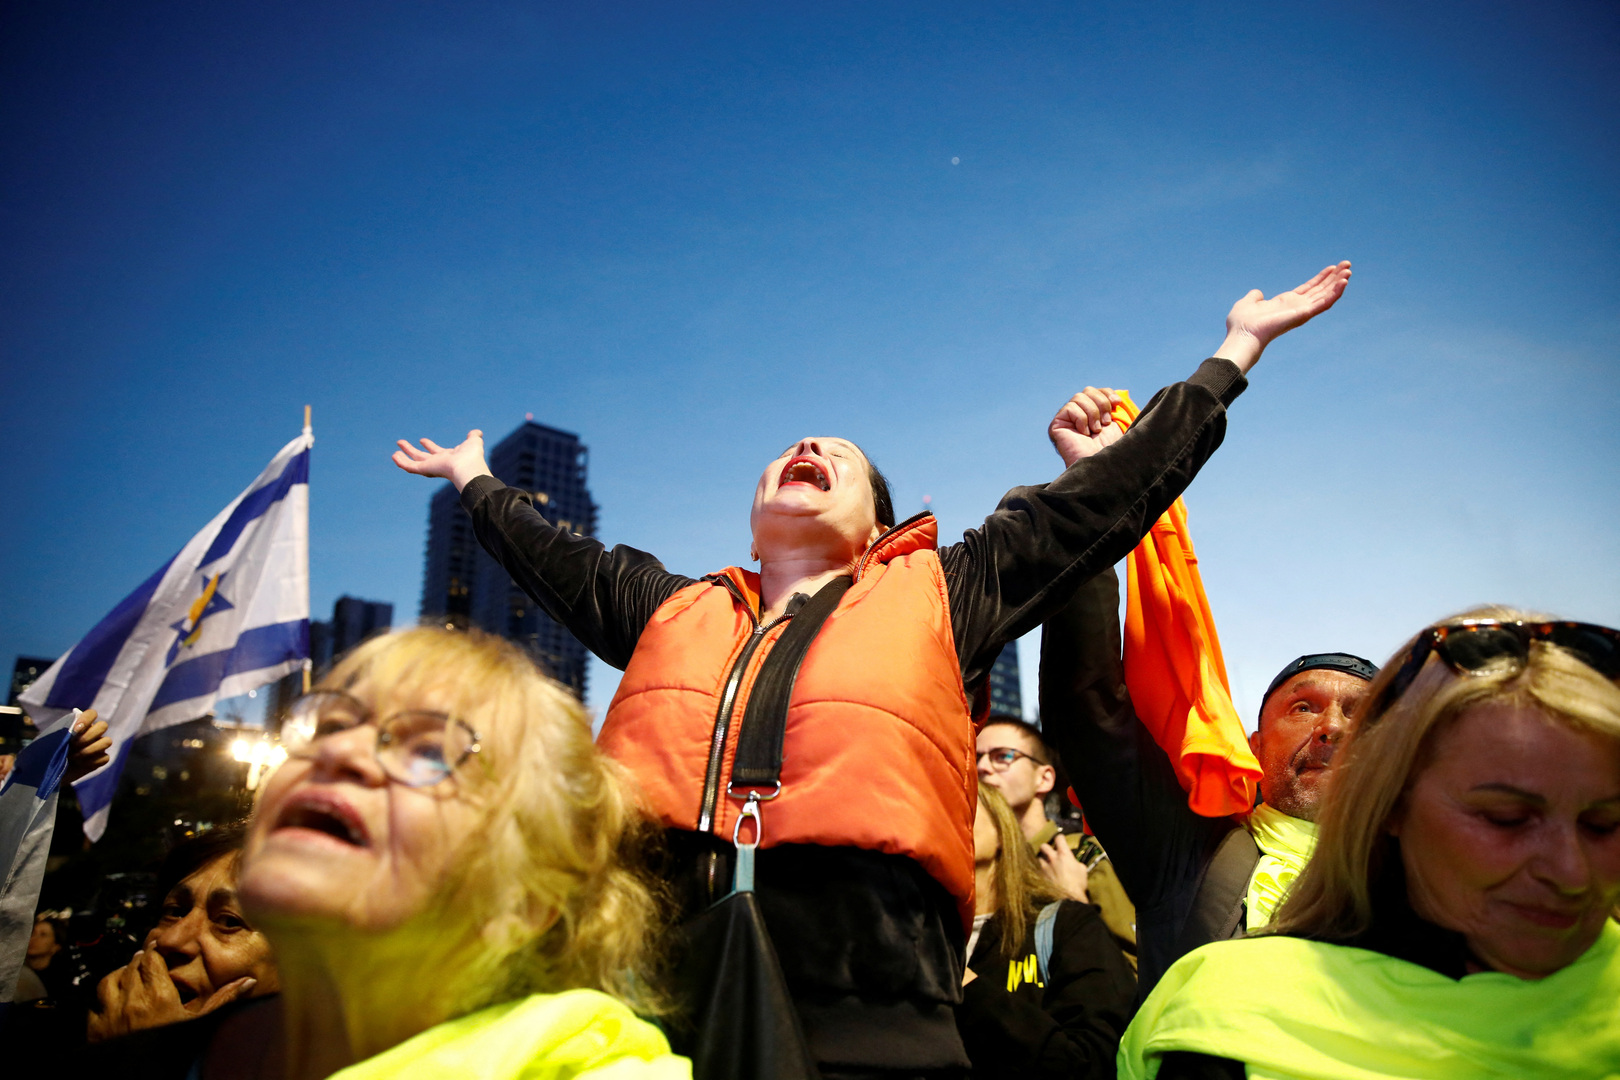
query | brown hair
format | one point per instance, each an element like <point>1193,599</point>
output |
<point>1021,888</point>
<point>548,894</point>
<point>1386,752</point>
<point>882,501</point>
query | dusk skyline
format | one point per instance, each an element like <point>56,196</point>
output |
<point>692,234</point>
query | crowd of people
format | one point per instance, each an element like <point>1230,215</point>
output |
<point>799,848</point>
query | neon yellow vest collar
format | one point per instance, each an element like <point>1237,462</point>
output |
<point>1300,1010</point>
<point>577,1033</point>
<point>1285,845</point>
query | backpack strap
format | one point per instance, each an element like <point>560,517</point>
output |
<point>1045,929</point>
<point>759,746</point>
<point>1217,907</point>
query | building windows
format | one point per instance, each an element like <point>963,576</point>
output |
<point>464,586</point>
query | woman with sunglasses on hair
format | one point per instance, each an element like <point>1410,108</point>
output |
<point>1047,991</point>
<point>1457,918</point>
<point>440,867</point>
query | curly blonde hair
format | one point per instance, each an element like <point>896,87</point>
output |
<point>549,893</point>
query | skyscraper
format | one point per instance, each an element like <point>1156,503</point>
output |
<point>354,620</point>
<point>1006,696</point>
<point>464,586</point>
<point>452,559</point>
<point>27,669</point>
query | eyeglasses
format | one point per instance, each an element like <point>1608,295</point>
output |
<point>415,748</point>
<point>1002,757</point>
<point>1477,646</point>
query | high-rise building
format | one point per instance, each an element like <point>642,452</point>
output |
<point>464,586</point>
<point>452,559</point>
<point>23,674</point>
<point>320,647</point>
<point>354,620</point>
<point>1006,697</point>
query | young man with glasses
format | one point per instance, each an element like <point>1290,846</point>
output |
<point>1015,760</point>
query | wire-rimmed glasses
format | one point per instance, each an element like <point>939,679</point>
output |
<point>1002,757</point>
<point>415,747</point>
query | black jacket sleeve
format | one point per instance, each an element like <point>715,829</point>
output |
<point>1125,783</point>
<point>1005,577</point>
<point>603,597</point>
<point>1074,1030</point>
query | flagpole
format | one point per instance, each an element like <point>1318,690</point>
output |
<point>308,662</point>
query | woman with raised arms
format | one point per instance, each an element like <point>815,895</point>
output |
<point>865,870</point>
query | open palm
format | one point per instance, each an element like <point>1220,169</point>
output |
<point>458,464</point>
<point>1266,320</point>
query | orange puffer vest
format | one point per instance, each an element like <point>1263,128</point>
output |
<point>878,752</point>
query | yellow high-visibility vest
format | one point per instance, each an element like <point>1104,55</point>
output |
<point>578,1033</point>
<point>1291,1009</point>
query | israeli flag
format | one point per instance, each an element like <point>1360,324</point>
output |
<point>227,614</point>
<point>27,819</point>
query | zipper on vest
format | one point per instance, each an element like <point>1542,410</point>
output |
<point>860,564</point>
<point>728,706</point>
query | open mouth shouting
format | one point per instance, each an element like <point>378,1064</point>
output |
<point>804,470</point>
<point>318,812</point>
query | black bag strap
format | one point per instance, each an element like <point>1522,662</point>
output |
<point>1217,908</point>
<point>759,745</point>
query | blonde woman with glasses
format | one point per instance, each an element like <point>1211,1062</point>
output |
<point>441,868</point>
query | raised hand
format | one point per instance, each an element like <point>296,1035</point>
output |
<point>457,464</point>
<point>87,750</point>
<point>1085,425</point>
<point>1255,322</point>
<point>1064,870</point>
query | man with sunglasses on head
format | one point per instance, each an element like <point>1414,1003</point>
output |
<point>1193,879</point>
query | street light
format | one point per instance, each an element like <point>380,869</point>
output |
<point>259,755</point>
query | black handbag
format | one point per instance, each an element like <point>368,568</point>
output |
<point>739,1020</point>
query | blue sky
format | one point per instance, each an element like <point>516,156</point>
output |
<point>693,232</point>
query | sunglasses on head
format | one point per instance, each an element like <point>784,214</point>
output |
<point>1477,646</point>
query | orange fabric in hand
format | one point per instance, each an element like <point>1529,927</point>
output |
<point>1174,669</point>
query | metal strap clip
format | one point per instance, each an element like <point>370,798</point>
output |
<point>745,852</point>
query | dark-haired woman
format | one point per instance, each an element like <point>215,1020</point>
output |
<point>1047,992</point>
<point>203,953</point>
<point>1457,917</point>
<point>865,869</point>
